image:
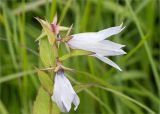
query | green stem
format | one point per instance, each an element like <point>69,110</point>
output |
<point>155,72</point>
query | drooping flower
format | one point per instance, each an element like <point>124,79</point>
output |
<point>96,43</point>
<point>63,93</point>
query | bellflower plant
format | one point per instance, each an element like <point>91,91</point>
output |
<point>60,90</point>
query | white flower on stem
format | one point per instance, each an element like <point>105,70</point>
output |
<point>63,93</point>
<point>96,43</point>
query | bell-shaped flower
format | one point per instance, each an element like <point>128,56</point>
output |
<point>63,93</point>
<point>96,43</point>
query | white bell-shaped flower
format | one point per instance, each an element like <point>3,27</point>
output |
<point>96,43</point>
<point>63,93</point>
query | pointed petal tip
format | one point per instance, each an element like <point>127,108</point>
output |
<point>76,102</point>
<point>108,61</point>
<point>121,24</point>
<point>52,97</point>
<point>123,52</point>
<point>75,108</point>
<point>122,27</point>
<point>123,46</point>
<point>119,69</point>
<point>120,52</point>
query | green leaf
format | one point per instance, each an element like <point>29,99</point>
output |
<point>44,105</point>
<point>128,98</point>
<point>47,53</point>
<point>130,75</point>
<point>74,53</point>
<point>3,109</point>
<point>45,81</point>
<point>63,28</point>
<point>42,35</point>
<point>80,87</point>
<point>46,27</point>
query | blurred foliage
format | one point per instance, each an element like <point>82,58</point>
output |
<point>134,90</point>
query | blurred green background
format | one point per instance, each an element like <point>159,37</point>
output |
<point>135,90</point>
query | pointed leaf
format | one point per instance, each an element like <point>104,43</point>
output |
<point>47,53</point>
<point>3,109</point>
<point>42,35</point>
<point>75,53</point>
<point>45,81</point>
<point>80,87</point>
<point>63,28</point>
<point>43,104</point>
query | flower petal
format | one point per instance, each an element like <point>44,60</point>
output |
<point>106,49</point>
<point>76,102</point>
<point>87,37</point>
<point>108,61</point>
<point>63,93</point>
<point>99,48</point>
<point>111,31</point>
<point>111,44</point>
<point>91,37</point>
<point>58,92</point>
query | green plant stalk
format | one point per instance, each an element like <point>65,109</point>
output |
<point>116,92</point>
<point>47,9</point>
<point>8,34</point>
<point>89,92</point>
<point>99,100</point>
<point>67,6</point>
<point>128,98</point>
<point>24,59</point>
<point>84,21</point>
<point>53,9</point>
<point>155,72</point>
<point>15,76</point>
<point>3,109</point>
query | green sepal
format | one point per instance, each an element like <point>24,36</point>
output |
<point>73,53</point>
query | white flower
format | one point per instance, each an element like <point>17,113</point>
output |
<point>96,43</point>
<point>63,93</point>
